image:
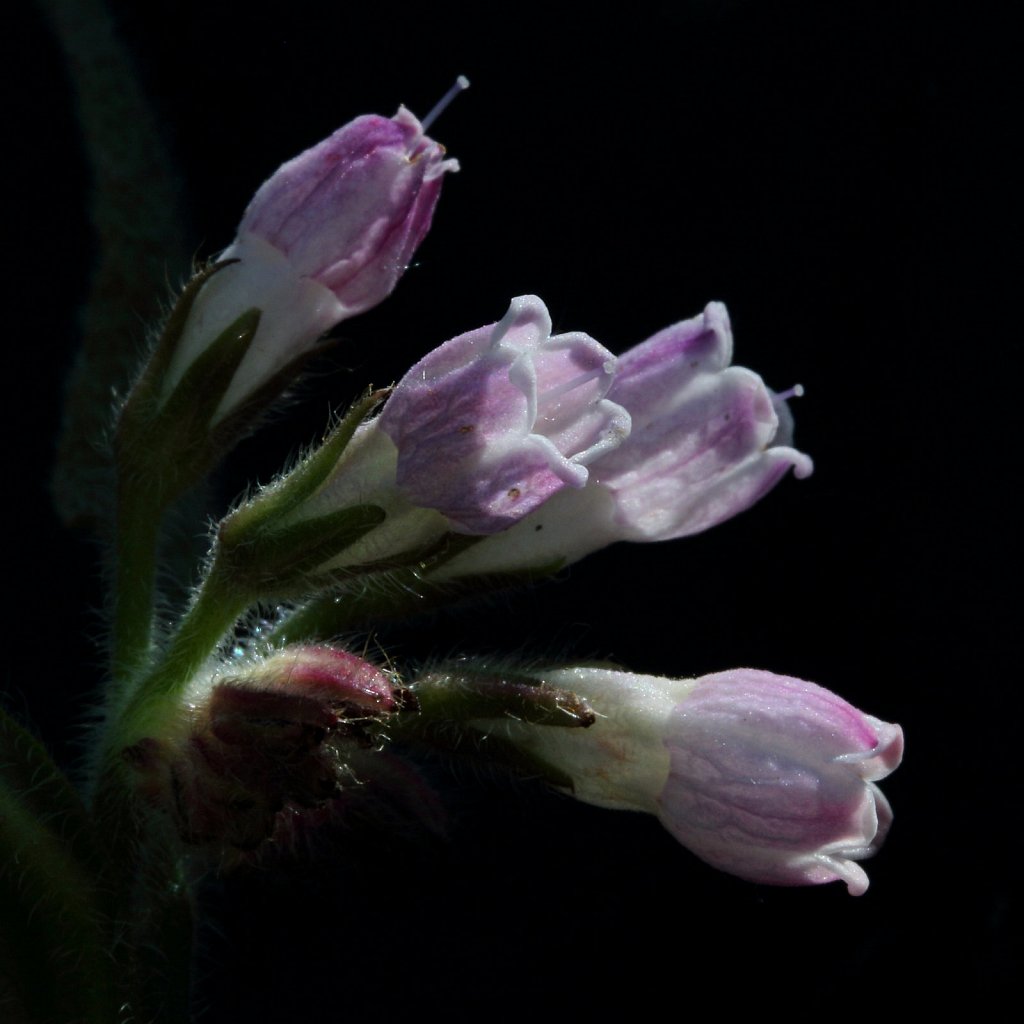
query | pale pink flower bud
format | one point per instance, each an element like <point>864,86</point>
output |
<point>350,212</point>
<point>327,236</point>
<point>764,776</point>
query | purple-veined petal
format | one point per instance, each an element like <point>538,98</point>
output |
<point>771,779</point>
<point>497,420</point>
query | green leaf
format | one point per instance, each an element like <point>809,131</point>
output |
<point>55,942</point>
<point>140,232</point>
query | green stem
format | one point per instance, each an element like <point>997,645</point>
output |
<point>214,610</point>
<point>50,908</point>
<point>138,528</point>
<point>148,902</point>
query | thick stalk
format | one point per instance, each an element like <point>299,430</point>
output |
<point>214,610</point>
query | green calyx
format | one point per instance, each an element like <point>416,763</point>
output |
<point>464,695</point>
<point>380,592</point>
<point>168,445</point>
<point>277,560</point>
<point>453,707</point>
<point>268,549</point>
<point>274,503</point>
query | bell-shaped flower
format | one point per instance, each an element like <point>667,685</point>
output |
<point>705,441</point>
<point>773,779</point>
<point>326,237</point>
<point>764,776</point>
<point>708,440</point>
<point>478,434</point>
<point>494,422</point>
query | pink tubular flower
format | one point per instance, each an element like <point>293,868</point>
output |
<point>773,779</point>
<point>327,236</point>
<point>702,447</point>
<point>350,212</point>
<point>495,421</point>
<point>763,776</point>
<point>708,440</point>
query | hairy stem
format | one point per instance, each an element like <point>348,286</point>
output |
<point>153,702</point>
<point>138,527</point>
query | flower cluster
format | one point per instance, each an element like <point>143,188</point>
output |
<point>706,441</point>
<point>506,450</point>
<point>236,723</point>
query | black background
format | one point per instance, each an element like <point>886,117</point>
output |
<point>833,173</point>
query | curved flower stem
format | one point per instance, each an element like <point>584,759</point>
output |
<point>216,607</point>
<point>148,900</point>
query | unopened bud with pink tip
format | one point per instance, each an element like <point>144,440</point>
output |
<point>261,737</point>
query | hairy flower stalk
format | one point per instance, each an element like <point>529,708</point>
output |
<point>764,776</point>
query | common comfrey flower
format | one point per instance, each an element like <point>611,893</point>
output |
<point>257,737</point>
<point>325,238</point>
<point>491,424</point>
<point>479,433</point>
<point>707,441</point>
<point>764,776</point>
